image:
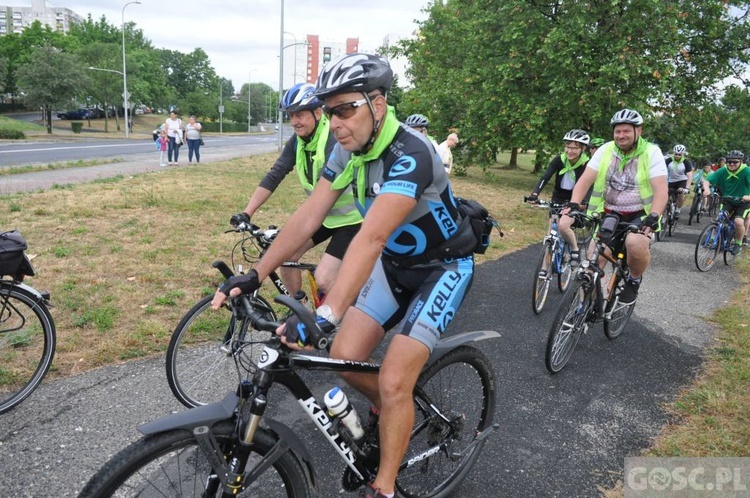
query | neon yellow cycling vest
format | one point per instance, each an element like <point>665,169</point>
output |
<point>344,212</point>
<point>596,203</point>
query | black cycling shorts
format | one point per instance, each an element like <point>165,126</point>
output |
<point>614,240</point>
<point>340,237</point>
<point>737,211</point>
<point>679,184</point>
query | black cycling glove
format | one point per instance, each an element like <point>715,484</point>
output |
<point>651,221</point>
<point>238,218</point>
<point>246,283</point>
<point>574,206</point>
<point>532,198</point>
<point>296,331</point>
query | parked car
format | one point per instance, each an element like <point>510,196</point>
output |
<point>76,114</point>
<point>98,112</point>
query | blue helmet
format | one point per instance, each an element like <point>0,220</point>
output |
<point>300,98</point>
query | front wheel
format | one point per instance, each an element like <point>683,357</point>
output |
<point>707,247</point>
<point>568,326</point>
<point>27,344</point>
<point>442,450</point>
<point>542,278</point>
<point>172,464</point>
<point>616,315</point>
<point>201,365</point>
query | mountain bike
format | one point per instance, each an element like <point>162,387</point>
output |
<point>555,259</point>
<point>222,449</point>
<point>717,236</point>
<point>593,297</point>
<point>200,361</point>
<point>27,329</point>
<point>670,219</point>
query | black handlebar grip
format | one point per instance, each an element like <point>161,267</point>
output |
<point>317,338</point>
<point>223,268</point>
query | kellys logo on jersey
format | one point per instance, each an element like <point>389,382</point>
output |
<point>407,240</point>
<point>404,166</point>
<point>443,218</point>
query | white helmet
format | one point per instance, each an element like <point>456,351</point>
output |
<point>626,116</point>
<point>579,136</point>
<point>679,149</point>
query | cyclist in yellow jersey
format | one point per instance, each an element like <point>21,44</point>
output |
<point>630,184</point>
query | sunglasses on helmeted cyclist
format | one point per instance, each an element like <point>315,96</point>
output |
<point>733,162</point>
<point>345,110</point>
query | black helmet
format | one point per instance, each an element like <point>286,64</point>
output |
<point>417,121</point>
<point>626,116</point>
<point>354,73</point>
<point>735,154</point>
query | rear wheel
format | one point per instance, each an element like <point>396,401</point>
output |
<point>201,365</point>
<point>619,314</point>
<point>441,452</point>
<point>695,209</point>
<point>172,464</point>
<point>27,344</point>
<point>707,247</point>
<point>567,327</point>
<point>542,278</point>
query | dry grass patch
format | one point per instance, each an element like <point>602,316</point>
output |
<point>126,258</point>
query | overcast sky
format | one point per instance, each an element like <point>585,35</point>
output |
<point>241,37</point>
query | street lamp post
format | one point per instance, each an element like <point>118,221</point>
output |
<point>125,95</point>
<point>281,78</point>
<point>235,99</point>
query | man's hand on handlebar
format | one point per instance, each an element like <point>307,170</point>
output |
<point>234,286</point>
<point>296,336</point>
<point>239,218</point>
<point>532,199</point>
<point>650,223</point>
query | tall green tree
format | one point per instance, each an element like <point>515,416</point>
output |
<point>520,73</point>
<point>51,79</point>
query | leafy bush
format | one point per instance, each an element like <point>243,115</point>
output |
<point>76,126</point>
<point>11,134</point>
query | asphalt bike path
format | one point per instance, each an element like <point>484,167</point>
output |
<point>564,435</point>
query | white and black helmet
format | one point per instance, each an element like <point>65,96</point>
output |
<point>417,121</point>
<point>626,116</point>
<point>735,154</point>
<point>579,136</point>
<point>679,149</point>
<point>354,73</point>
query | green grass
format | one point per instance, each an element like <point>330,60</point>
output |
<point>18,125</point>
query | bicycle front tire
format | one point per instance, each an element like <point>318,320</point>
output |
<point>172,464</point>
<point>27,344</point>
<point>619,315</point>
<point>461,385</point>
<point>200,364</point>
<point>567,327</point>
<point>542,277</point>
<point>707,247</point>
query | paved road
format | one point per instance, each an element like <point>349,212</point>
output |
<point>216,149</point>
<point>560,435</point>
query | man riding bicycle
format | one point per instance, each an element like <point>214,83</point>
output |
<point>630,185</point>
<point>733,181</point>
<point>308,150</point>
<point>567,169</point>
<point>680,173</point>
<point>394,268</point>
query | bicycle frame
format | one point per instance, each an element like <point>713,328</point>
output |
<point>278,367</point>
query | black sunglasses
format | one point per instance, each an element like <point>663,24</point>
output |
<point>733,162</point>
<point>345,110</point>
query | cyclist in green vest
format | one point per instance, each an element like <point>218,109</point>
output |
<point>733,181</point>
<point>630,185</point>
<point>308,151</point>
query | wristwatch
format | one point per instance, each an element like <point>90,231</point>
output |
<point>326,312</point>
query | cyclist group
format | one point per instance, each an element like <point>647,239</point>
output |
<point>379,192</point>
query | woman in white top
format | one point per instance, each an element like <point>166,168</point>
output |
<point>193,137</point>
<point>174,128</point>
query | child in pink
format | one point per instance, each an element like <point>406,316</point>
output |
<point>163,142</point>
